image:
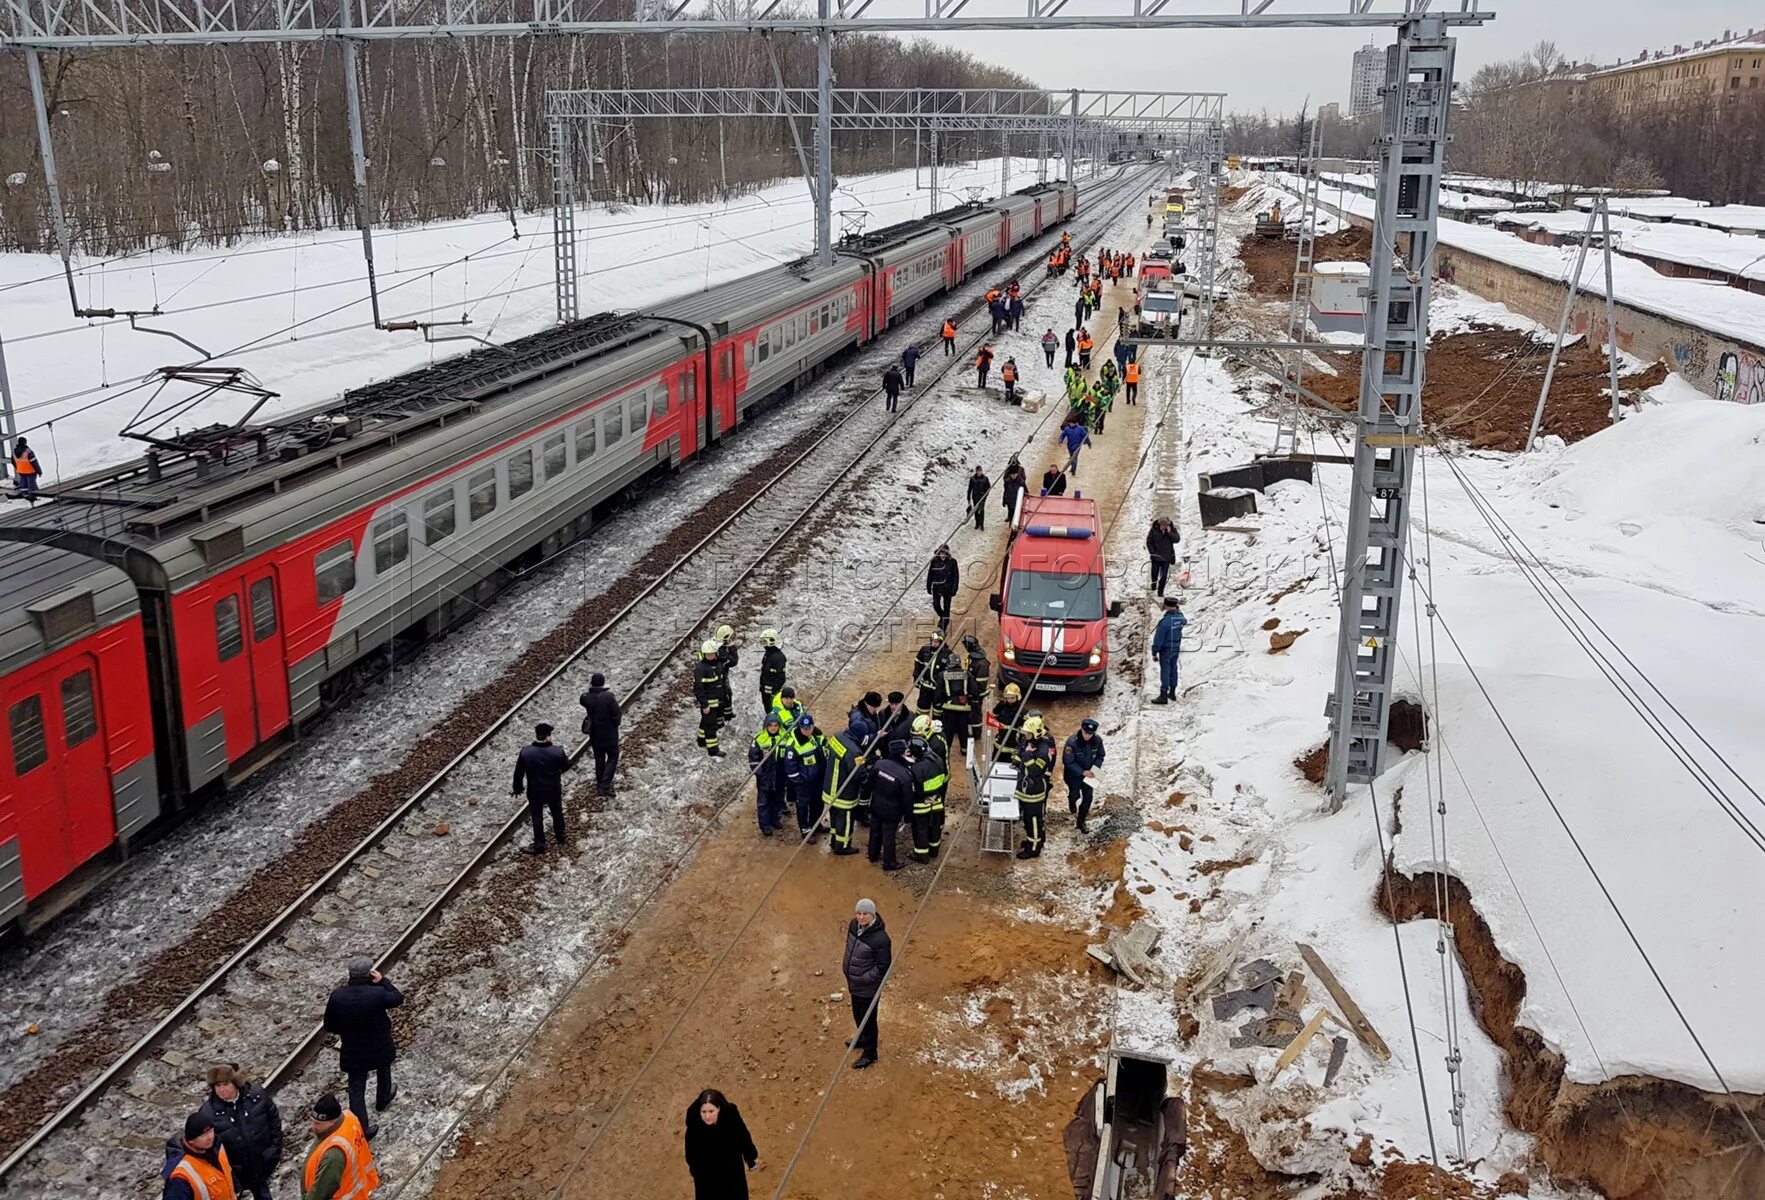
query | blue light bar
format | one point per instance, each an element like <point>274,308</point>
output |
<point>1058,531</point>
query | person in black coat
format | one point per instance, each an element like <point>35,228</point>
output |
<point>909,360</point>
<point>892,381</point>
<point>1054,482</point>
<point>1161,548</point>
<point>1072,346</point>
<point>539,771</point>
<point>866,964</point>
<point>248,1125</point>
<point>719,1149</point>
<point>942,578</point>
<point>600,722</point>
<point>1079,761</point>
<point>1013,486</point>
<point>356,1013</point>
<point>978,487</point>
<point>773,665</point>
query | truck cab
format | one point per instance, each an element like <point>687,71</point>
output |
<point>1158,311</point>
<point>1052,605</point>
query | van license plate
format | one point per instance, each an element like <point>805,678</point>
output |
<point>1051,687</point>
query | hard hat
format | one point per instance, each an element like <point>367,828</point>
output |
<point>972,643</point>
<point>1013,692</point>
<point>937,635</point>
<point>937,725</point>
<point>709,648</point>
<point>805,722</point>
<point>1032,725</point>
<point>769,637</point>
<point>922,724</point>
<point>724,633</point>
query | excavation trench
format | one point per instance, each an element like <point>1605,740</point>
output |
<point>1633,1137</point>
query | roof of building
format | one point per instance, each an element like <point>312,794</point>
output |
<point>1742,45</point>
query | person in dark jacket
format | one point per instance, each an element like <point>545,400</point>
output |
<point>978,487</point>
<point>1072,346</point>
<point>866,965</point>
<point>772,668</point>
<point>27,471</point>
<point>928,661</point>
<point>356,1013</point>
<point>1013,486</point>
<point>1167,648</point>
<point>248,1125</point>
<point>892,789</point>
<point>195,1160</point>
<point>1079,761</point>
<point>1080,310</point>
<point>767,756</point>
<point>539,771</point>
<point>1050,347</point>
<point>719,1149</point>
<point>1014,310</point>
<point>600,721</point>
<point>895,719</point>
<point>1161,548</point>
<point>1054,482</point>
<point>892,382</point>
<point>868,708</point>
<point>909,360</point>
<point>942,578</point>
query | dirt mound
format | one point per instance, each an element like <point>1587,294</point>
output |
<point>1482,386</point>
<point>1633,1137</point>
<point>1270,260</point>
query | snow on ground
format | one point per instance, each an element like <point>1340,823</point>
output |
<point>241,303</point>
<point>1657,527</point>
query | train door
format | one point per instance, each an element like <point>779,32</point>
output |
<point>269,665</point>
<point>1004,234</point>
<point>63,786</point>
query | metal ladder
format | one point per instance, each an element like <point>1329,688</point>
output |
<point>1299,307</point>
<point>563,223</point>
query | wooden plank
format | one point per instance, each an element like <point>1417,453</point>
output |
<point>1357,1020</point>
<point>1297,1044</point>
<point>1293,993</point>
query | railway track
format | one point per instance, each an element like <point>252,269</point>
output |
<point>391,888</point>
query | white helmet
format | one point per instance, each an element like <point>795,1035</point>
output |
<point>724,633</point>
<point>709,649</point>
<point>769,637</point>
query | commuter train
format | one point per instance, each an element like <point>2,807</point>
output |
<point>171,623</point>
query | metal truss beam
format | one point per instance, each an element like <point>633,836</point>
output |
<point>91,24</point>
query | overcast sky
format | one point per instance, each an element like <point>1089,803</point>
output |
<point>1280,68</point>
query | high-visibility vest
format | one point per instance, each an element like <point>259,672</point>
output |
<point>24,464</point>
<point>984,358</point>
<point>360,1176</point>
<point>992,295</point>
<point>207,1180</point>
<point>950,330</point>
<point>1133,375</point>
<point>787,717</point>
<point>1008,373</point>
<point>1085,342</point>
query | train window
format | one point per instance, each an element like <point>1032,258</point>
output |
<point>30,749</point>
<point>263,609</point>
<point>777,338</point>
<point>659,402</point>
<point>764,341</point>
<point>334,571</point>
<point>481,494</point>
<point>615,425</point>
<point>689,384</point>
<point>790,334</point>
<point>815,321</point>
<point>748,356</point>
<point>392,541</point>
<point>638,410</point>
<point>585,438</point>
<point>79,715</point>
<point>552,451</point>
<point>228,636</point>
<point>520,472</point>
<point>826,315</point>
<point>439,516</point>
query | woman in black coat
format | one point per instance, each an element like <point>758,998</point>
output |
<point>719,1150</point>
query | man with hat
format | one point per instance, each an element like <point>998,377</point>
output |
<point>340,1165</point>
<point>892,790</point>
<point>356,1013</point>
<point>866,964</point>
<point>248,1126</point>
<point>539,770</point>
<point>928,661</point>
<point>1079,761</point>
<point>766,755</point>
<point>600,721</point>
<point>892,722</point>
<point>1167,645</point>
<point>196,1166</point>
<point>942,578</point>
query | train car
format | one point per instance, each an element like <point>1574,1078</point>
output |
<point>187,612</point>
<point>1019,224</point>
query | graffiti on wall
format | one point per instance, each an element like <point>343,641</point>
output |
<point>1740,377</point>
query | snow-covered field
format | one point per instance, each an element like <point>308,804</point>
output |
<point>294,310</point>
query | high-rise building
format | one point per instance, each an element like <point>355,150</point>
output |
<point>1330,112</point>
<point>1363,85</point>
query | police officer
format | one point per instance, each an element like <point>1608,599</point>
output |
<point>772,665</point>
<point>767,756</point>
<point>1035,778</point>
<point>843,780</point>
<point>926,664</point>
<point>1079,761</point>
<point>1007,718</point>
<point>803,770</point>
<point>892,793</point>
<point>710,687</point>
<point>930,777</point>
<point>955,701</point>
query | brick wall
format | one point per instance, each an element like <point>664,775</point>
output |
<point>1710,362</point>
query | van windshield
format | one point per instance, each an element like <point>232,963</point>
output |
<point>1055,596</point>
<point>1158,302</point>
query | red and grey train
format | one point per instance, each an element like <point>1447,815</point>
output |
<point>170,622</point>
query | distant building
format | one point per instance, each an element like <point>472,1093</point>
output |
<point>1722,68</point>
<point>1364,83</point>
<point>1330,112</point>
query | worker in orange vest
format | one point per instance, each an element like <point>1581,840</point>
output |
<point>1130,266</point>
<point>1008,374</point>
<point>1053,264</point>
<point>196,1166</point>
<point>1013,292</point>
<point>983,362</point>
<point>1084,269</point>
<point>1066,239</point>
<point>1131,377</point>
<point>340,1165</point>
<point>992,295</point>
<point>27,469</point>
<point>949,338</point>
<point>1085,349</point>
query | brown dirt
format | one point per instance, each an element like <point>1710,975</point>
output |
<point>1314,763</point>
<point>1270,260</point>
<point>1284,638</point>
<point>1632,1137</point>
<point>1231,195</point>
<point>1407,727</point>
<point>1483,385</point>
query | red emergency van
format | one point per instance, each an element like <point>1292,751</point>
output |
<point>1052,605</point>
